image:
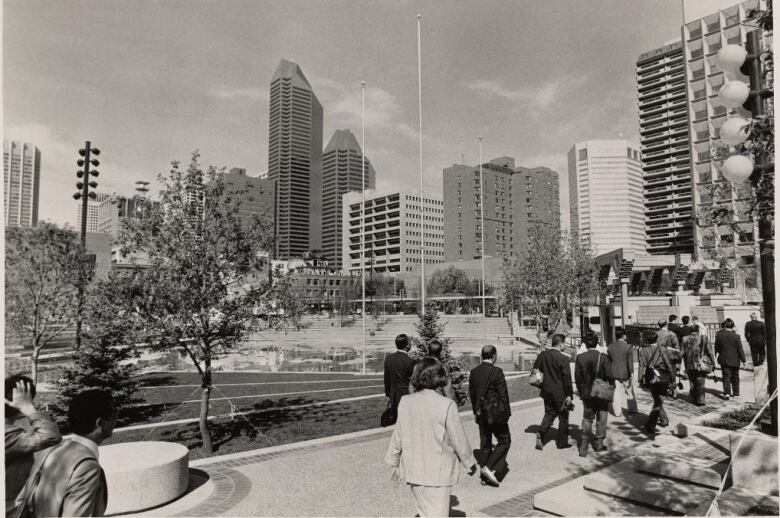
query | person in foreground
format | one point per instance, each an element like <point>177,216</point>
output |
<point>429,440</point>
<point>398,370</point>
<point>556,391</point>
<point>588,367</point>
<point>490,402</point>
<point>67,479</point>
<point>621,359</point>
<point>699,361</point>
<point>659,373</point>
<point>21,443</point>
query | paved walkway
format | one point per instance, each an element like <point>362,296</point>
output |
<point>346,475</point>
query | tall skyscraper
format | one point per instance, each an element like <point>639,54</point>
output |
<point>663,135</point>
<point>341,173</point>
<point>514,198</point>
<point>93,210</point>
<point>22,173</point>
<point>295,161</point>
<point>605,195</point>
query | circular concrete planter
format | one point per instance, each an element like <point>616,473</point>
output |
<point>143,475</point>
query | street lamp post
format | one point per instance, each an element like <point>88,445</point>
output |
<point>482,241</point>
<point>422,193</point>
<point>363,221</point>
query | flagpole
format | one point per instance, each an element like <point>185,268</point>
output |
<point>482,241</point>
<point>363,217</point>
<point>422,232</point>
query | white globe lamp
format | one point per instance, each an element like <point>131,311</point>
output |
<point>737,168</point>
<point>734,131</point>
<point>731,57</point>
<point>734,94</point>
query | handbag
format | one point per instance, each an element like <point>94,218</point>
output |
<point>703,363</point>
<point>653,375</point>
<point>389,416</point>
<point>601,388</point>
<point>536,378</point>
<point>494,408</point>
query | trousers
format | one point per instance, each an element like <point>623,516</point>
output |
<point>730,380</point>
<point>490,456</point>
<point>432,500</point>
<point>552,410</point>
<point>657,414</point>
<point>758,354</point>
<point>696,379</point>
<point>593,409</point>
<point>624,397</point>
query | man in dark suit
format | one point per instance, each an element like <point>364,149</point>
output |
<point>755,334</point>
<point>728,348</point>
<point>674,327</point>
<point>483,379</point>
<point>685,329</point>
<point>621,359</point>
<point>556,391</point>
<point>587,367</point>
<point>398,371</point>
<point>72,482</point>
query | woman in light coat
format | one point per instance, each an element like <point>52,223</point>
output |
<point>428,441</point>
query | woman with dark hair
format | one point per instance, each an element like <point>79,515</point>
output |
<point>22,442</point>
<point>428,441</point>
<point>434,351</point>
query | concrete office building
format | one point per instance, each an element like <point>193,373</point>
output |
<point>514,198</point>
<point>665,146</point>
<point>22,174</point>
<point>295,161</point>
<point>341,173</point>
<point>93,208</point>
<point>397,226</point>
<point>605,195</point>
<point>117,209</point>
<point>256,196</point>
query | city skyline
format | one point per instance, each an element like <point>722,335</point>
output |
<point>147,95</point>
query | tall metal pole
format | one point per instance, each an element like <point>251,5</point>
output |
<point>482,242</point>
<point>363,216</point>
<point>422,231</point>
<point>82,266</point>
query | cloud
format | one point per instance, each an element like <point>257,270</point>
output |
<point>252,94</point>
<point>58,172</point>
<point>541,95</point>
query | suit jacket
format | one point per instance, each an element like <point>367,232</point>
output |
<point>755,333</point>
<point>72,482</point>
<point>728,347</point>
<point>693,347</point>
<point>621,359</point>
<point>428,440</point>
<point>485,378</point>
<point>685,330</point>
<point>585,371</point>
<point>658,358</point>
<point>556,381</point>
<point>676,329</point>
<point>667,338</point>
<point>398,371</point>
<point>20,444</point>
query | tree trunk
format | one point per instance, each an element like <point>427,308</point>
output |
<point>34,365</point>
<point>203,422</point>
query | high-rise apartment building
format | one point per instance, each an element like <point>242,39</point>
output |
<point>93,211</point>
<point>295,161</point>
<point>708,27</point>
<point>663,136</point>
<point>605,195</point>
<point>22,173</point>
<point>398,226</point>
<point>256,196</point>
<point>117,209</point>
<point>342,172</point>
<point>514,199</point>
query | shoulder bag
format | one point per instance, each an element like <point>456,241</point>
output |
<point>703,362</point>
<point>389,416</point>
<point>537,376</point>
<point>601,388</point>
<point>653,375</point>
<point>493,407</point>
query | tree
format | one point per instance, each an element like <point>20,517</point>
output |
<point>199,250</point>
<point>452,281</point>
<point>41,278</point>
<point>554,273</point>
<point>429,328</point>
<point>102,361</point>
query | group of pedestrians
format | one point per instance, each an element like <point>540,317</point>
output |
<point>429,442</point>
<point>44,474</point>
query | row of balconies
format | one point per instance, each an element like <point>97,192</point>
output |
<point>667,61</point>
<point>684,215</point>
<point>682,178</point>
<point>661,105</point>
<point>650,76</point>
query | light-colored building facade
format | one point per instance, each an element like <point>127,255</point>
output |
<point>605,195</point>
<point>116,209</point>
<point>400,228</point>
<point>665,147</point>
<point>514,197</point>
<point>295,161</point>
<point>342,172</point>
<point>21,173</point>
<point>93,211</point>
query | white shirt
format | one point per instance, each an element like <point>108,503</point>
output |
<point>89,443</point>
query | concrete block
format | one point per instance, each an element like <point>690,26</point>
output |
<point>648,490</point>
<point>754,465</point>
<point>698,471</point>
<point>143,475</point>
<point>742,502</point>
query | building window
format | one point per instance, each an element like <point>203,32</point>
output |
<point>583,154</point>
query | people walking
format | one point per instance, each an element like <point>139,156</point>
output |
<point>755,334</point>
<point>556,391</point>
<point>429,433</point>
<point>658,375</point>
<point>22,442</point>
<point>621,360</point>
<point>685,329</point>
<point>728,348</point>
<point>699,361</point>
<point>398,371</point>
<point>490,402</point>
<point>674,327</point>
<point>667,338</point>
<point>589,367</point>
<point>67,479</point>
<point>435,348</point>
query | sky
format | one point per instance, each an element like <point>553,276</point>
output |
<point>148,82</point>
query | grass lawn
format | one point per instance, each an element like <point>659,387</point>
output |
<point>735,419</point>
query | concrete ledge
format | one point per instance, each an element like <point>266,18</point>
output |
<point>755,465</point>
<point>742,502</point>
<point>697,471</point>
<point>143,475</point>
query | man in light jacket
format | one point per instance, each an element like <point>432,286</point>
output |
<point>621,360</point>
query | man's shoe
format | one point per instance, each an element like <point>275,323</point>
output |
<point>563,446</point>
<point>583,454</point>
<point>726,396</point>
<point>539,443</point>
<point>489,476</point>
<point>603,447</point>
